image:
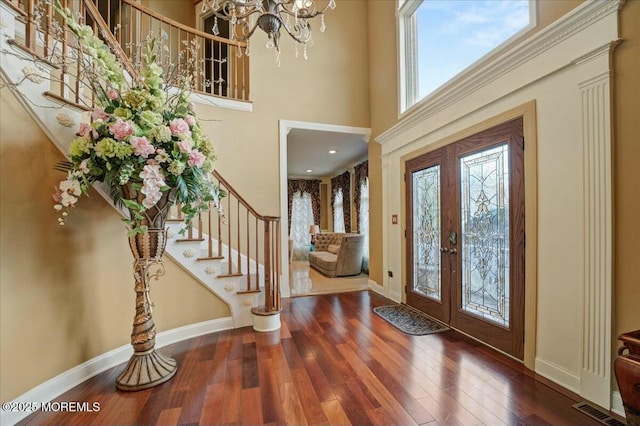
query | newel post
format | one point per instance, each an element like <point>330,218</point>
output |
<point>267,317</point>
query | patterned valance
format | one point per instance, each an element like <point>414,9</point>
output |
<point>302,185</point>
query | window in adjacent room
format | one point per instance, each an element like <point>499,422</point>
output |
<point>301,221</point>
<point>440,38</point>
<point>338,212</point>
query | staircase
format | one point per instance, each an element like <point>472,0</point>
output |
<point>235,255</point>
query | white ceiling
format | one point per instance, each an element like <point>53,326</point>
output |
<point>309,150</point>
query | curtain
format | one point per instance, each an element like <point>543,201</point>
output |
<point>363,226</point>
<point>338,212</point>
<point>312,187</point>
<point>343,182</point>
<point>360,174</point>
<point>301,221</point>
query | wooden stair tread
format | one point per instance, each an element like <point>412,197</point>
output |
<point>209,258</point>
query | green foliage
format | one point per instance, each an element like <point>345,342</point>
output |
<point>139,135</point>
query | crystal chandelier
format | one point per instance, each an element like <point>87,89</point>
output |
<point>245,16</point>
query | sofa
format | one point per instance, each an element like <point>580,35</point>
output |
<point>337,254</point>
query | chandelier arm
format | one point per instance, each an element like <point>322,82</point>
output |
<point>223,12</point>
<point>246,37</point>
<point>308,13</point>
<point>299,38</point>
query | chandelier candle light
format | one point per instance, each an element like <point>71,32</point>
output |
<point>270,15</point>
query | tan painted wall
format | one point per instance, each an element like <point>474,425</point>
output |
<point>179,10</point>
<point>67,292</point>
<point>383,90</point>
<point>626,172</point>
<point>330,87</point>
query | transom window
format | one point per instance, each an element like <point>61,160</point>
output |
<point>441,38</point>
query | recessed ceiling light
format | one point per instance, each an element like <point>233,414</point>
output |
<point>332,151</point>
<point>309,170</point>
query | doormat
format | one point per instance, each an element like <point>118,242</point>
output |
<point>409,320</point>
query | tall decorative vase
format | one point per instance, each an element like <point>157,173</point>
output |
<point>627,369</point>
<point>147,367</point>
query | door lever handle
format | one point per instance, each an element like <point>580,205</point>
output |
<point>444,250</point>
<point>453,238</point>
<point>453,251</point>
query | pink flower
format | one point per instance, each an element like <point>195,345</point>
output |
<point>152,181</point>
<point>98,113</point>
<point>112,94</point>
<point>196,158</point>
<point>190,119</point>
<point>152,194</point>
<point>142,145</point>
<point>152,172</point>
<point>121,129</point>
<point>179,127</point>
<point>84,129</point>
<point>185,146</point>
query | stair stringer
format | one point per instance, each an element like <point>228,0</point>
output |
<point>186,254</point>
<point>60,123</point>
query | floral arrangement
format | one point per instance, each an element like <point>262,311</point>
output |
<point>140,133</point>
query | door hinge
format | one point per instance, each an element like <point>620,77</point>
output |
<point>523,143</point>
<point>405,233</point>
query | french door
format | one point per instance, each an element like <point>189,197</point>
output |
<point>465,236</point>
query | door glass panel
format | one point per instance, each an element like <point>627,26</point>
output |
<point>426,232</point>
<point>485,234</point>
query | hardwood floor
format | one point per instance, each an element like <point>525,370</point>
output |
<point>304,280</point>
<point>333,362</point>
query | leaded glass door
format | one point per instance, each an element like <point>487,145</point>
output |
<point>429,283</point>
<point>465,239</point>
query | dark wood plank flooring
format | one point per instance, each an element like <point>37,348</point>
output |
<point>333,362</point>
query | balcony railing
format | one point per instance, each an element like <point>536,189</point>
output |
<point>217,65</point>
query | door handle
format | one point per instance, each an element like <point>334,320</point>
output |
<point>453,251</point>
<point>444,250</point>
<point>453,238</point>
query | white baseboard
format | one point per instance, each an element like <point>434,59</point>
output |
<point>558,374</point>
<point>63,382</point>
<point>616,403</point>
<point>373,286</point>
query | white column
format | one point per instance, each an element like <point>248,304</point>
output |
<point>595,377</point>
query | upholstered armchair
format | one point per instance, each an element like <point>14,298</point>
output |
<point>337,254</point>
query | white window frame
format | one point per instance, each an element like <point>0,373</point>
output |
<point>408,91</point>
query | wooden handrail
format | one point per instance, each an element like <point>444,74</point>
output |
<point>236,194</point>
<point>183,27</point>
<point>110,40</point>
